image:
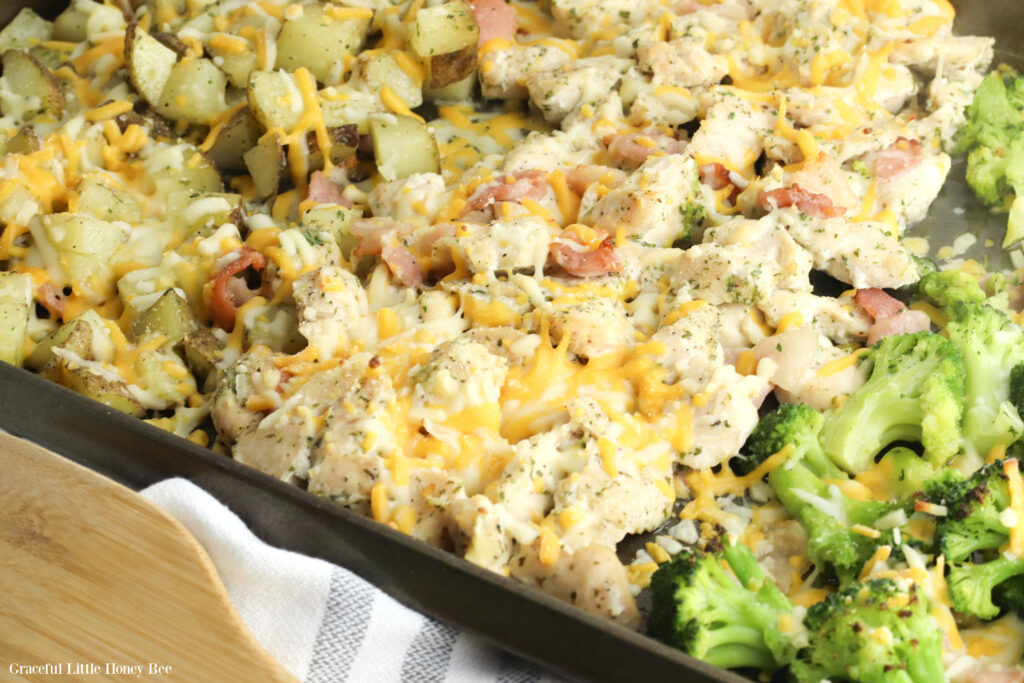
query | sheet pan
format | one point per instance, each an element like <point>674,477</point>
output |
<point>504,612</point>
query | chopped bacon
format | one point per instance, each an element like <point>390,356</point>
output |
<point>373,232</point>
<point>530,184</point>
<point>877,303</point>
<point>496,19</point>
<point>891,316</point>
<point>583,262</point>
<point>982,674</point>
<point>50,298</point>
<point>896,159</point>
<point>632,149</point>
<point>811,203</point>
<point>323,191</point>
<point>714,175</point>
<point>581,177</point>
<point>223,302</point>
<point>904,322</point>
<point>403,264</point>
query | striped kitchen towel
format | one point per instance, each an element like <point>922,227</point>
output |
<point>324,623</point>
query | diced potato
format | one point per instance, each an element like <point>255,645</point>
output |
<point>265,162</point>
<point>452,67</point>
<point>444,29</point>
<point>350,106</point>
<point>165,378</point>
<point>335,221</point>
<point>275,99</point>
<point>192,211</point>
<point>29,78</point>
<point>26,30</point>
<point>196,173</point>
<point>344,140</point>
<point>15,307</point>
<point>276,327</point>
<point>321,38</point>
<point>237,57</point>
<point>382,69</point>
<point>19,206</point>
<point>99,387</point>
<point>81,335</point>
<point>106,203</point>
<point>169,317</point>
<point>69,25</point>
<point>24,142</point>
<point>402,146</point>
<point>239,135</point>
<point>460,91</point>
<point>194,92</point>
<point>81,248</point>
<point>203,350</point>
<point>149,63</point>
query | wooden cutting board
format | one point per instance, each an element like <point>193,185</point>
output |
<point>94,579</point>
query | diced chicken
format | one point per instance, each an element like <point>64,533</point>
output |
<point>507,245</point>
<point>595,326</point>
<point>556,93</point>
<point>282,442</point>
<point>732,130</point>
<point>860,253</point>
<point>797,360</point>
<point>592,578</point>
<point>333,310</point>
<point>358,434</point>
<point>823,175</point>
<point>480,532</point>
<point>909,190</point>
<point>837,319</point>
<point>653,204</point>
<point>415,199</point>
<point>683,62</point>
<point>460,374</point>
<point>503,73</point>
<point>253,374</point>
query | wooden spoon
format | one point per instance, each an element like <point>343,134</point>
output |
<point>95,579</point>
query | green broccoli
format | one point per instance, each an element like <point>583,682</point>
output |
<point>991,345</point>
<point>1009,595</point>
<point>806,483</point>
<point>993,138</point>
<point>947,287</point>
<point>875,631</point>
<point>728,620</point>
<point>971,535</point>
<point>915,393</point>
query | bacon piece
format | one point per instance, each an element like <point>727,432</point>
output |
<point>374,232</point>
<point>323,191</point>
<point>223,304</point>
<point>904,322</point>
<point>583,262</point>
<point>403,264</point>
<point>530,184</point>
<point>981,674</point>
<point>51,299</point>
<point>581,177</point>
<point>811,203</point>
<point>632,149</point>
<point>496,19</point>
<point>891,316</point>
<point>714,175</point>
<point>896,159</point>
<point>877,303</point>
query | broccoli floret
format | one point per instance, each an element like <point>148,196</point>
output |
<point>945,288</point>
<point>905,472</point>
<point>807,485</point>
<point>1017,387</point>
<point>992,345</point>
<point>728,621</point>
<point>995,163</point>
<point>915,393</point>
<point>972,534</point>
<point>873,631</point>
<point>1009,595</point>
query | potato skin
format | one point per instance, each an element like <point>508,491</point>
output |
<point>453,66</point>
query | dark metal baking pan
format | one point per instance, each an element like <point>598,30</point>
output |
<point>519,619</point>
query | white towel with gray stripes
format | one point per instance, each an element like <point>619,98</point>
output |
<point>324,623</point>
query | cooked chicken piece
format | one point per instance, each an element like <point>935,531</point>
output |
<point>415,199</point>
<point>683,62</point>
<point>592,578</point>
<point>860,253</point>
<point>837,319</point>
<point>281,444</point>
<point>732,133</point>
<point>508,245</point>
<point>595,326</point>
<point>584,81</point>
<point>460,374</point>
<point>333,311</point>
<point>503,73</point>
<point>653,203</point>
<point>253,374</point>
